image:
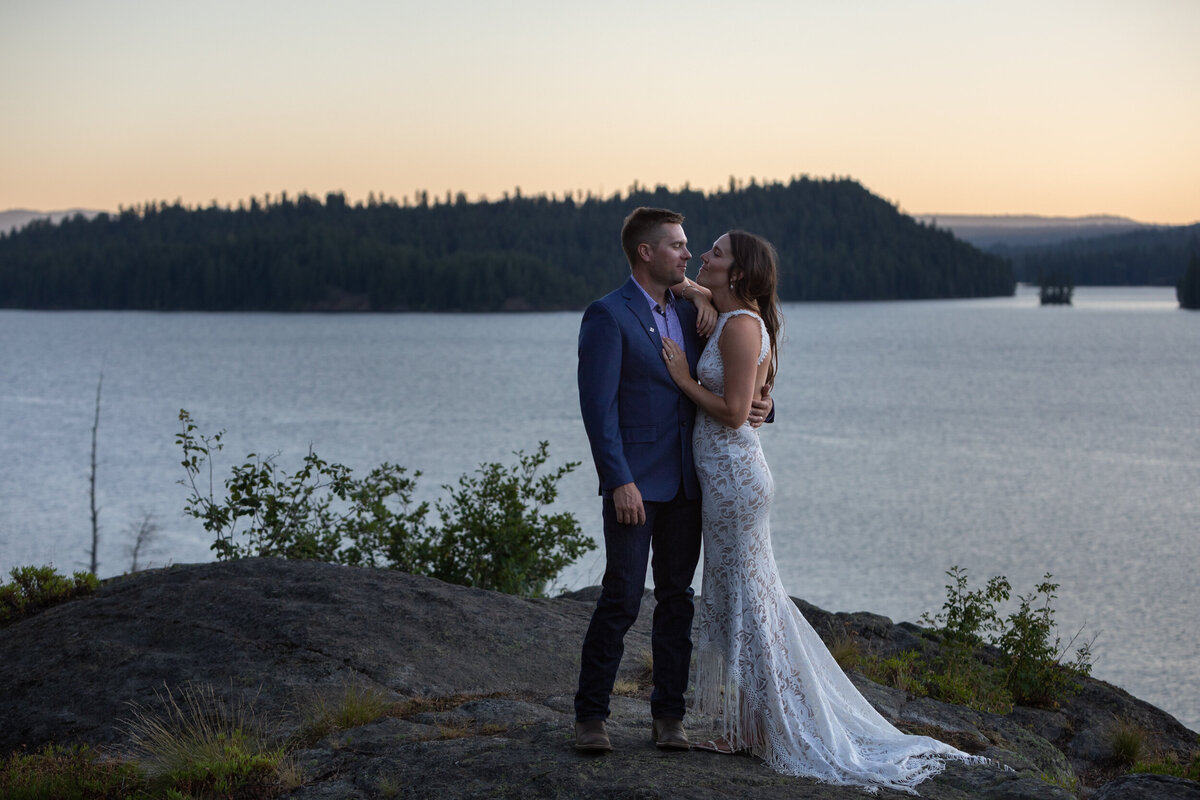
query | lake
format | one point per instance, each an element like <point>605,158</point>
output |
<point>911,437</point>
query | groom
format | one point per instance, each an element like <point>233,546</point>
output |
<point>640,428</point>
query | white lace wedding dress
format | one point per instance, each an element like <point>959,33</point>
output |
<point>761,669</point>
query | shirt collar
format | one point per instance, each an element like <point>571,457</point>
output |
<point>654,304</point>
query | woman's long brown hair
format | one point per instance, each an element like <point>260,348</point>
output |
<point>756,258</point>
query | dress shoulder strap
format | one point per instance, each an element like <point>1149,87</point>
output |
<point>765,350</point>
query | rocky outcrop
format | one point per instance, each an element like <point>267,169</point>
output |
<point>1148,787</point>
<point>1081,728</point>
<point>498,672</point>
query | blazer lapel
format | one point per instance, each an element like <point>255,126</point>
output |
<point>692,341</point>
<point>641,311</point>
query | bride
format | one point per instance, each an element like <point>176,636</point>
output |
<point>760,667</point>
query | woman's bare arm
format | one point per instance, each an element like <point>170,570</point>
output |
<point>741,342</point>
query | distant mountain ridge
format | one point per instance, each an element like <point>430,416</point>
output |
<point>1024,230</point>
<point>16,218</point>
<point>1097,250</point>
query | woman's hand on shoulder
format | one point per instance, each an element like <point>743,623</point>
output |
<point>706,312</point>
<point>701,298</point>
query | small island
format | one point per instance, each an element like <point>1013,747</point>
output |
<point>1187,291</point>
<point>1056,289</point>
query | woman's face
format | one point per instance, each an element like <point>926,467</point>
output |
<point>715,264</point>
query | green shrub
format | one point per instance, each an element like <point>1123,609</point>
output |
<point>967,615</point>
<point>1032,651</point>
<point>319,512</point>
<point>494,534</point>
<point>1030,669</point>
<point>35,588</point>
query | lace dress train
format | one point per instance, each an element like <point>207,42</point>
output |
<point>761,669</point>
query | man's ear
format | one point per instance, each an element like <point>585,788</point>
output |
<point>645,251</point>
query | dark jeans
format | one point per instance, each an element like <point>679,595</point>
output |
<point>672,530</point>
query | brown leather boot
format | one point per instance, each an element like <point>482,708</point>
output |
<point>591,737</point>
<point>669,735</point>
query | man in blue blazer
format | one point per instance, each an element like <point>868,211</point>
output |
<point>640,428</point>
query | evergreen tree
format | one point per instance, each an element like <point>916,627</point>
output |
<point>1188,289</point>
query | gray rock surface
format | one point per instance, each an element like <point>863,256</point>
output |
<point>504,669</point>
<point>1148,787</point>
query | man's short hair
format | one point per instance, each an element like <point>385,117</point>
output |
<point>642,225</point>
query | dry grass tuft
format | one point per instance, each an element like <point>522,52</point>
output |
<point>192,727</point>
<point>846,651</point>
<point>353,705</point>
<point>645,668</point>
<point>200,744</point>
<point>1128,743</point>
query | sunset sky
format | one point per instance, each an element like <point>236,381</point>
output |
<point>1052,107</point>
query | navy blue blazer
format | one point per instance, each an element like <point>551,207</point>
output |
<point>638,422</point>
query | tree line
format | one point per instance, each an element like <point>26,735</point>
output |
<point>1154,257</point>
<point>836,241</point>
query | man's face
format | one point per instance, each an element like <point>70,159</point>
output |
<point>669,256</point>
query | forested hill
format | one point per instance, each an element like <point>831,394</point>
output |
<point>836,241</point>
<point>1155,257</point>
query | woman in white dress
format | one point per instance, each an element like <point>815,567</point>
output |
<point>760,667</point>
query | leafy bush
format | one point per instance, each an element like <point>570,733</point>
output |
<point>294,516</point>
<point>1031,666</point>
<point>1033,652</point>
<point>494,532</point>
<point>968,614</point>
<point>35,588</point>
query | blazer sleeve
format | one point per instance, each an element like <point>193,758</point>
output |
<point>599,381</point>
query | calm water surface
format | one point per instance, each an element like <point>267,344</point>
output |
<point>993,434</point>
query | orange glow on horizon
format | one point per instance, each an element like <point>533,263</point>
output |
<point>988,108</point>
